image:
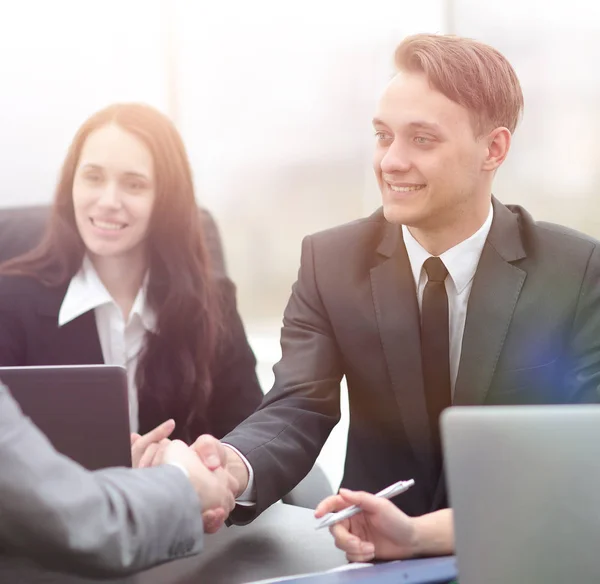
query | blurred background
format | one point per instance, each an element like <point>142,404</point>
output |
<point>274,100</point>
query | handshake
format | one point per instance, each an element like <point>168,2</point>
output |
<point>216,472</point>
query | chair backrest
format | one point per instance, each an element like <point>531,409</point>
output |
<point>21,229</point>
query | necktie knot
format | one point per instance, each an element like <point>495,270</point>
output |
<point>436,270</point>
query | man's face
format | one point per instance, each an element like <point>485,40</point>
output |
<point>428,161</point>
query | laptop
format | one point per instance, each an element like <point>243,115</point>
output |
<point>524,483</point>
<point>82,409</point>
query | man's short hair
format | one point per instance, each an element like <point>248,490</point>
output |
<point>470,73</point>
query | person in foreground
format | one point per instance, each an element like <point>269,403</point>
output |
<point>108,522</point>
<point>123,276</point>
<point>444,296</point>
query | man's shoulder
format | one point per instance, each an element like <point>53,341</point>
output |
<point>553,236</point>
<point>357,232</point>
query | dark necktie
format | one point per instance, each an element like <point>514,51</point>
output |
<point>435,348</point>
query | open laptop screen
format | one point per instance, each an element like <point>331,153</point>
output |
<point>82,409</point>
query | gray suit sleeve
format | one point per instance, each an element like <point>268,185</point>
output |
<point>102,523</point>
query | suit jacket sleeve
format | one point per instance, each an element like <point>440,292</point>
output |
<point>284,437</point>
<point>236,392</point>
<point>108,522</point>
<point>582,375</point>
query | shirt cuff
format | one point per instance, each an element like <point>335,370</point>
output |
<point>180,467</point>
<point>248,497</point>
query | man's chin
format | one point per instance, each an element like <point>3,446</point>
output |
<point>398,215</point>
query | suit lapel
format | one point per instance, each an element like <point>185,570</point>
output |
<point>75,343</point>
<point>397,313</point>
<point>496,289</point>
<point>494,295</point>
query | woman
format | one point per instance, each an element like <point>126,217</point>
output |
<point>123,277</point>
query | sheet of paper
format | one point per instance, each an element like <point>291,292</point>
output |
<point>342,568</point>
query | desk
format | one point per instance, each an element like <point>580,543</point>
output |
<point>281,542</point>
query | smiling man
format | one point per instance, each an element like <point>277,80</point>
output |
<point>443,296</point>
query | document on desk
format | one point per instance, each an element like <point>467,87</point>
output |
<point>419,571</point>
<point>299,577</point>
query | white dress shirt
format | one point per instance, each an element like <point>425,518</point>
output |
<point>461,262</point>
<point>121,340</point>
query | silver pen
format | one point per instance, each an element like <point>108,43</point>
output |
<point>387,493</point>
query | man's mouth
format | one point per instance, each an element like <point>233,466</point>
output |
<point>405,189</point>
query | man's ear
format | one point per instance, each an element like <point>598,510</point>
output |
<point>498,141</point>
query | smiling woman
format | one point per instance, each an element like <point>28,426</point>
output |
<point>113,195</point>
<point>124,274</point>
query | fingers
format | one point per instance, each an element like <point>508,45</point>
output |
<point>214,488</point>
<point>356,549</point>
<point>156,435</point>
<point>213,520</point>
<point>141,443</point>
<point>148,456</point>
<point>211,452</point>
<point>329,505</point>
<point>365,556</point>
<point>366,501</point>
<point>176,451</point>
<point>159,454</point>
<point>227,497</point>
<point>232,484</point>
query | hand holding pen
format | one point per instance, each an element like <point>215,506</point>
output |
<point>380,530</point>
<point>387,493</point>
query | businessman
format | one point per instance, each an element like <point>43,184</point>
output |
<point>443,296</point>
<point>108,522</point>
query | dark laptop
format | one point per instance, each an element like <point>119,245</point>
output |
<point>82,409</point>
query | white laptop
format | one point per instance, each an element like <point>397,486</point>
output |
<point>524,483</point>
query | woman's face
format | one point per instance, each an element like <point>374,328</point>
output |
<point>113,193</point>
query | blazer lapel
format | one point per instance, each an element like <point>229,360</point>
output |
<point>496,288</point>
<point>75,343</point>
<point>397,312</point>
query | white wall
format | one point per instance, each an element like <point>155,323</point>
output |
<point>59,62</point>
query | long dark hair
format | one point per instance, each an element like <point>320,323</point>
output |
<point>175,365</point>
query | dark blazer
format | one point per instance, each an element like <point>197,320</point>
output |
<point>29,335</point>
<point>532,336</point>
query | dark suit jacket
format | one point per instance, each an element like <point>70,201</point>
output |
<point>532,336</point>
<point>29,335</point>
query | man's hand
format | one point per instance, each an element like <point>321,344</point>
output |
<point>380,531</point>
<point>214,454</point>
<point>144,449</point>
<point>215,488</point>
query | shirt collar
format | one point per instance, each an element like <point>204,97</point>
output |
<point>87,292</point>
<point>460,261</point>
